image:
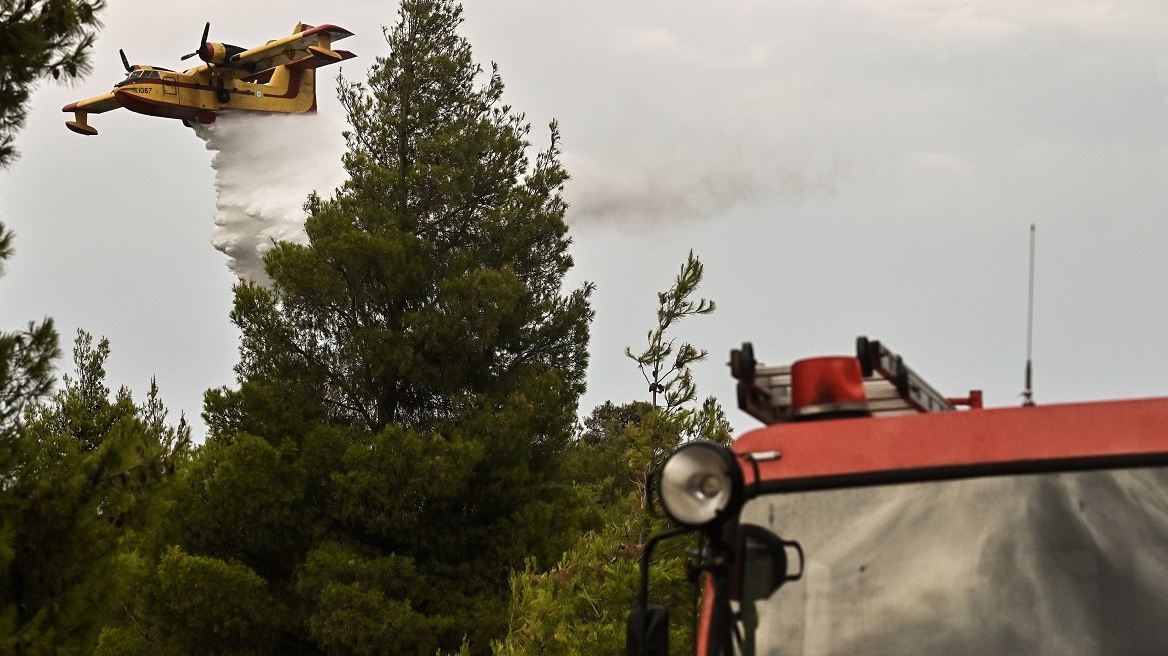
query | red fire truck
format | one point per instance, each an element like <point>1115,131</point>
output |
<point>874,516</point>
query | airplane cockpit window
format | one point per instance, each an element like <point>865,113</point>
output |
<point>134,75</point>
<point>140,75</point>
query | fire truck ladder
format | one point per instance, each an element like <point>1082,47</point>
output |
<point>890,386</point>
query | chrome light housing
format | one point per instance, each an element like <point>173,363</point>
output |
<point>700,483</point>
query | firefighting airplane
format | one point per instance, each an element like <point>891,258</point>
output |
<point>279,76</point>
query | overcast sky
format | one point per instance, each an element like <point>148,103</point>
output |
<point>842,168</point>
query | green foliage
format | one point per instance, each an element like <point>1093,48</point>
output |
<point>81,474</point>
<point>581,604</point>
<point>226,607</point>
<point>362,602</point>
<point>26,368</point>
<point>38,39</point>
<point>408,384</point>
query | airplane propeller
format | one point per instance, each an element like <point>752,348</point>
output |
<point>202,42</point>
<point>125,62</point>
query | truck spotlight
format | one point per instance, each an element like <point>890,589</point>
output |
<point>700,482</point>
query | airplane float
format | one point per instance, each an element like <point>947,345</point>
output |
<point>279,76</point>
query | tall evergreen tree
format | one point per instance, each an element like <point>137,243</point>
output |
<point>407,383</point>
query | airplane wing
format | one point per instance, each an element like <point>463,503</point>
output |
<point>83,108</point>
<point>95,105</point>
<point>313,61</point>
<point>312,44</point>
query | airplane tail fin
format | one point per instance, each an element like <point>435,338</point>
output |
<point>297,84</point>
<point>279,78</point>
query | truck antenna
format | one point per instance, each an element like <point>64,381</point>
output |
<point>1028,393</point>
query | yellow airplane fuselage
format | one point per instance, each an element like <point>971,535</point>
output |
<point>200,97</point>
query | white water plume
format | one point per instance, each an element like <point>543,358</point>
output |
<point>265,167</point>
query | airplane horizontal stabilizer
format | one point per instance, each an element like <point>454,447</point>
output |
<point>320,57</point>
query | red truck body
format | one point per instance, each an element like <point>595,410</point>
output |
<point>873,517</point>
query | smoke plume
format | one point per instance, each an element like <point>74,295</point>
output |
<point>679,182</point>
<point>265,167</point>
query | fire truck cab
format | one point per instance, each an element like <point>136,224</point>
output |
<point>873,516</point>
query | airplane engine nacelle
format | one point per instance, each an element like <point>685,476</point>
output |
<point>218,53</point>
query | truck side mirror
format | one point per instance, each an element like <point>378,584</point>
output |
<point>648,631</point>
<point>762,568</point>
<point>764,565</point>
